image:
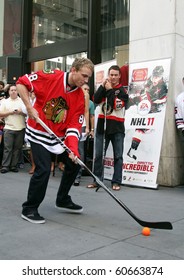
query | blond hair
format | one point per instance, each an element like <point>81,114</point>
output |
<point>81,62</point>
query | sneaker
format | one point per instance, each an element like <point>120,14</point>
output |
<point>34,218</point>
<point>4,170</point>
<point>21,165</point>
<point>14,169</point>
<point>70,207</point>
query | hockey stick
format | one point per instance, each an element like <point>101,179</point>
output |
<point>104,141</point>
<point>158,225</point>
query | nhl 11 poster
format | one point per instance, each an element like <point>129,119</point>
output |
<point>144,121</point>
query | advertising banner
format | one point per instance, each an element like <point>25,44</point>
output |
<point>101,72</point>
<point>144,123</point>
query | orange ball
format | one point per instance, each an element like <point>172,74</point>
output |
<point>146,231</point>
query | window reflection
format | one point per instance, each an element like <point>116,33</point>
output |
<point>59,20</point>
<point>63,63</point>
<point>12,27</point>
<point>114,27</point>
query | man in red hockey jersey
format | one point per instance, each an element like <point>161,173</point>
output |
<point>60,105</point>
<point>112,99</point>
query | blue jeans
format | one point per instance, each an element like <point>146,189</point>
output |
<point>117,140</point>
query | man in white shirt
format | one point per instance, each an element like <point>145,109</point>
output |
<point>14,130</point>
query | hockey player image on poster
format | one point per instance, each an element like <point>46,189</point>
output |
<point>144,121</point>
<point>150,99</point>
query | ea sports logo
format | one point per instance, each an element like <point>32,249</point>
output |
<point>144,107</point>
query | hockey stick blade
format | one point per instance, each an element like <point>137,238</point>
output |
<point>157,225</point>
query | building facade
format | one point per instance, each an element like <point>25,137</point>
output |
<point>45,34</point>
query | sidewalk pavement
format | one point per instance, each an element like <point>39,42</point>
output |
<point>104,231</point>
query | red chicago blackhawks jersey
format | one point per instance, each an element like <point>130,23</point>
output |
<point>59,106</point>
<point>179,111</point>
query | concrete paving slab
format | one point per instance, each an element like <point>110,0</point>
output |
<point>104,231</point>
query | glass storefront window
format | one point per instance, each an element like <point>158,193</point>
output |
<point>2,74</point>
<point>12,27</point>
<point>1,26</point>
<point>62,63</point>
<point>114,31</point>
<point>71,58</point>
<point>58,20</point>
<point>10,32</point>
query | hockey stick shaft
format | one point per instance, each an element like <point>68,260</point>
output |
<point>104,141</point>
<point>104,135</point>
<point>158,225</point>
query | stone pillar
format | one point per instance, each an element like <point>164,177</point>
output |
<point>156,32</point>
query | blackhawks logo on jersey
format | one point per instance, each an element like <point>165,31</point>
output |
<point>48,71</point>
<point>56,110</point>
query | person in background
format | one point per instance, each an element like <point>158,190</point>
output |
<point>60,105</point>
<point>88,122</point>
<point>1,129</point>
<point>3,90</point>
<point>27,144</point>
<point>1,139</point>
<point>91,118</point>
<point>1,86</point>
<point>179,111</point>
<point>14,130</point>
<point>3,95</point>
<point>112,99</point>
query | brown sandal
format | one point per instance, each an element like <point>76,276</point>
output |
<point>92,186</point>
<point>116,187</point>
<point>31,171</point>
<point>61,166</point>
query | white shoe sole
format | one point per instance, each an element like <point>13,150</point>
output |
<point>32,221</point>
<point>67,210</point>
